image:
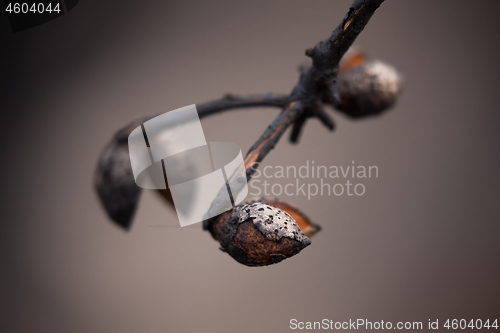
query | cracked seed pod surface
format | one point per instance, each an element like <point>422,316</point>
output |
<point>308,228</point>
<point>258,234</point>
<point>303,221</point>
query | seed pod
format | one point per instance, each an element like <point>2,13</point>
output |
<point>305,224</point>
<point>308,228</point>
<point>114,178</point>
<point>115,185</point>
<point>258,234</point>
<point>368,88</point>
<point>352,58</point>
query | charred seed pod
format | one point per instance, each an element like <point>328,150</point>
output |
<point>308,228</point>
<point>115,184</point>
<point>258,234</point>
<point>114,178</point>
<point>305,224</point>
<point>368,88</point>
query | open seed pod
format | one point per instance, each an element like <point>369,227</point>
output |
<point>259,234</point>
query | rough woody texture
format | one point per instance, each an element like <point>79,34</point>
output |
<point>258,234</point>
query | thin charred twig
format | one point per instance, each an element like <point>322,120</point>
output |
<point>320,76</point>
<point>326,54</point>
<point>228,102</point>
<point>237,102</point>
<point>114,180</point>
<point>271,136</point>
<point>305,98</point>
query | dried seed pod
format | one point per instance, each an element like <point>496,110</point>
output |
<point>115,184</point>
<point>368,88</point>
<point>258,234</point>
<point>114,178</point>
<point>305,224</point>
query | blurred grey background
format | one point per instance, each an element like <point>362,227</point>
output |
<point>422,243</point>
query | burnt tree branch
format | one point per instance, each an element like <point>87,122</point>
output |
<point>316,87</point>
<point>228,102</point>
<point>306,96</point>
<point>305,99</point>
